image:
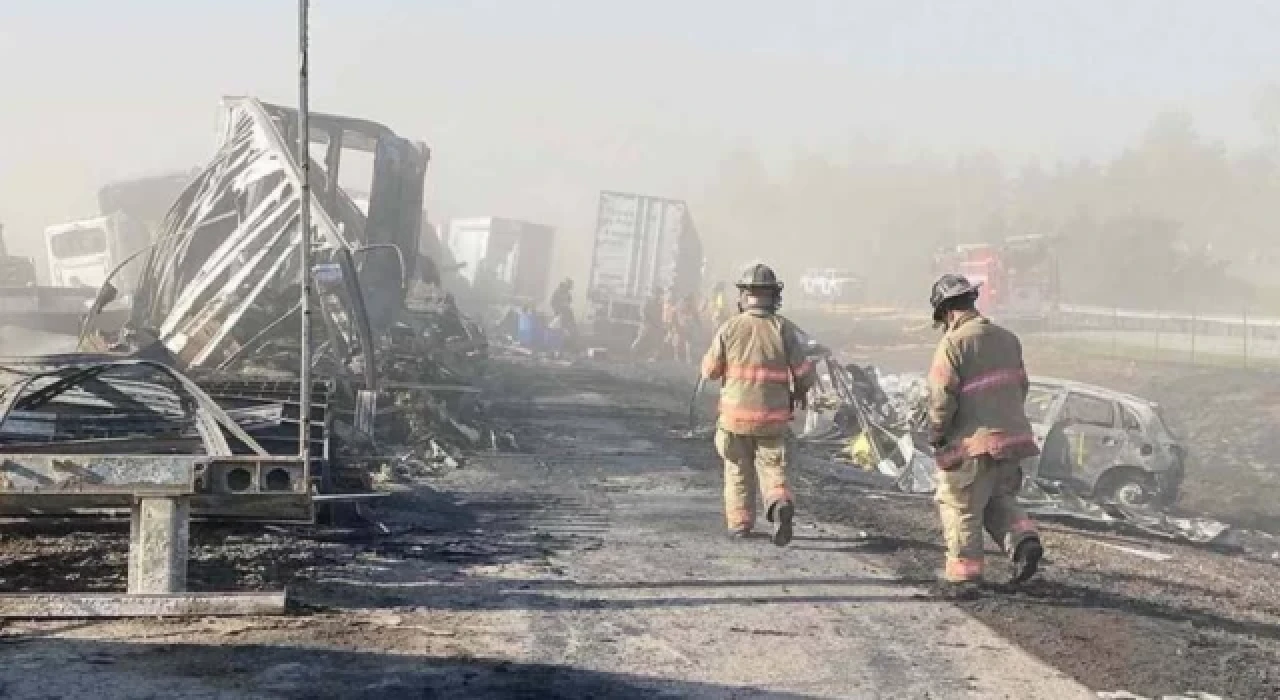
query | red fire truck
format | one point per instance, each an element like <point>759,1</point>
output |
<point>1019,276</point>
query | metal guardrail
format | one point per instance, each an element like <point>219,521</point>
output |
<point>1153,318</point>
<point>1210,338</point>
<point>128,475</point>
<point>1243,340</point>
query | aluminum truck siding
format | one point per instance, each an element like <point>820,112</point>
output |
<point>642,245</point>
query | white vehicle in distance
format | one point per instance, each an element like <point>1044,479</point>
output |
<point>830,286</point>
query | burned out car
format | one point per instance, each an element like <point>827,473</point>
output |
<point>1096,443</point>
<point>1103,444</point>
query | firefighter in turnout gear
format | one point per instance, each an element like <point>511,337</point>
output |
<point>980,433</point>
<point>761,358</point>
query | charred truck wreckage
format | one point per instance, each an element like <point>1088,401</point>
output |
<point>198,392</point>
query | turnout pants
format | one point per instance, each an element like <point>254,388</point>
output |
<point>752,465</point>
<point>981,493</point>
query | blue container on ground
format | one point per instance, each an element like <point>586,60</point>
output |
<point>528,333</point>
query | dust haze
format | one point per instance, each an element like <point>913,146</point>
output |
<point>465,496</point>
<point>867,133</point>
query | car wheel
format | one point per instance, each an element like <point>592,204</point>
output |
<point>1128,487</point>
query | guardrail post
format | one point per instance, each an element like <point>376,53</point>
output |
<point>159,533</point>
<point>1158,322</point>
<point>1244,318</point>
<point>1115,330</point>
<point>1194,323</point>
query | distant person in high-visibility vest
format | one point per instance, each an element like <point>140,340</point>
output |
<point>669,324</point>
<point>686,329</point>
<point>719,310</point>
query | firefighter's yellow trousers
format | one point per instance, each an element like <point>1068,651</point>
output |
<point>981,493</point>
<point>752,465</point>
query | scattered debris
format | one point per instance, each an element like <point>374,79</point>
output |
<point>1126,695</point>
<point>1067,506</point>
<point>920,473</point>
<point>1144,553</point>
<point>108,427</point>
<point>763,632</point>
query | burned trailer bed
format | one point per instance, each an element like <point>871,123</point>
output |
<point>276,403</point>
<point>339,467</point>
<point>85,434</point>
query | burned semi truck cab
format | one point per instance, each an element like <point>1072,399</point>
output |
<point>221,281</point>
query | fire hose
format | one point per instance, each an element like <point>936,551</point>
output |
<point>693,404</point>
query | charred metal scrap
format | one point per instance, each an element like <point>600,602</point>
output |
<point>84,432</point>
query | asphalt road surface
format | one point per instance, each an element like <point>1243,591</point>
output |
<point>594,564</point>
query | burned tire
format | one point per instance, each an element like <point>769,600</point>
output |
<point>1126,486</point>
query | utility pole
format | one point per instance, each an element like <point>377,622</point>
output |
<point>304,243</point>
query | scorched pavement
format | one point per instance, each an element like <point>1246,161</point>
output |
<point>593,563</point>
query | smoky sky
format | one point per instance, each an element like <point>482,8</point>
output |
<point>532,106</point>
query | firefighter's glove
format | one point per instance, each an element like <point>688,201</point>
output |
<point>939,444</point>
<point>944,462</point>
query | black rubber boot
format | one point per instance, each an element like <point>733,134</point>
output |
<point>780,515</point>
<point>1026,560</point>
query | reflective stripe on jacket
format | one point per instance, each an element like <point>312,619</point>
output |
<point>761,358</point>
<point>977,394</point>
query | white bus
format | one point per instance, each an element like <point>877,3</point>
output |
<point>82,253</point>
